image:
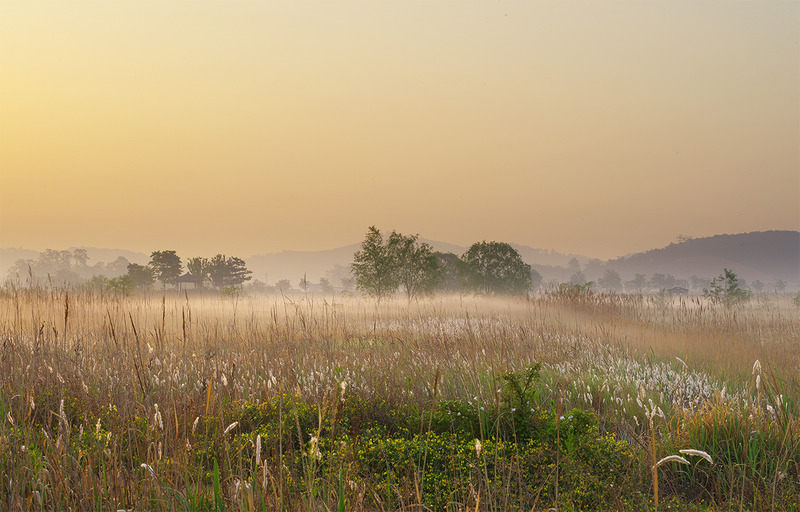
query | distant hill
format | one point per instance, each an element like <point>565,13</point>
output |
<point>293,265</point>
<point>762,255</point>
<point>10,255</point>
<point>107,255</point>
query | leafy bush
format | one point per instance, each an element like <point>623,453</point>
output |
<point>725,289</point>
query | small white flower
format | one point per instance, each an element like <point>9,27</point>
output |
<point>478,447</point>
<point>149,469</point>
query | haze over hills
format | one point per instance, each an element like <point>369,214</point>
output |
<point>761,255</point>
<point>766,256</point>
<point>315,264</point>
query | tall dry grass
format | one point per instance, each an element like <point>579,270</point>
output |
<point>132,401</point>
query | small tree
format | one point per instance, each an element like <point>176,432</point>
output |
<point>636,284</point>
<point>327,287</point>
<point>578,279</point>
<point>141,276</point>
<point>495,268</point>
<point>218,271</point>
<point>122,285</point>
<point>166,266</point>
<point>450,265</point>
<point>416,265</point>
<point>726,289</point>
<point>238,272</point>
<point>228,271</point>
<point>610,281</point>
<point>374,266</point>
<point>198,267</point>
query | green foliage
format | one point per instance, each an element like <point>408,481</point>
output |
<point>230,292</point>
<point>122,285</point>
<point>374,267</point>
<point>219,503</point>
<point>575,292</point>
<point>381,266</point>
<point>417,266</point>
<point>495,268</point>
<point>97,283</point>
<point>725,289</point>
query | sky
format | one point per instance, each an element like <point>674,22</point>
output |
<point>591,127</point>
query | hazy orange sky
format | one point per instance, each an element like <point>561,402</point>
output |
<point>599,128</point>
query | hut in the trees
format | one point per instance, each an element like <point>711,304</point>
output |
<point>189,278</point>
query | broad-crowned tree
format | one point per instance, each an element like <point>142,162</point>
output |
<point>166,266</point>
<point>495,268</point>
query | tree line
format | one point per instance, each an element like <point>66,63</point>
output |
<point>166,267</point>
<point>385,264</point>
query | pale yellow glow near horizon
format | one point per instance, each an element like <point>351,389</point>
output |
<point>599,128</point>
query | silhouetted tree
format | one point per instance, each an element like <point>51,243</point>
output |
<point>198,267</point>
<point>118,267</point>
<point>451,271</point>
<point>636,284</point>
<point>536,279</point>
<point>327,287</point>
<point>610,281</point>
<point>238,272</point>
<point>495,268</point>
<point>578,279</point>
<point>166,266</point>
<point>80,256</point>
<point>228,271</point>
<point>140,276</point>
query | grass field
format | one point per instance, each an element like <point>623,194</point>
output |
<point>181,402</point>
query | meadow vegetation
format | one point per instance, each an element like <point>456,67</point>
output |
<point>563,400</point>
